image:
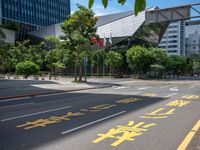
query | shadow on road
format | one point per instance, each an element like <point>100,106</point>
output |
<point>18,138</point>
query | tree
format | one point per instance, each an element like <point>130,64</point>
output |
<point>22,51</point>
<point>139,59</point>
<point>12,25</point>
<point>113,60</point>
<point>160,57</point>
<point>140,5</point>
<point>177,64</point>
<point>4,54</point>
<point>79,29</point>
<point>27,68</point>
<point>56,58</point>
<point>97,57</point>
<point>157,69</point>
<point>194,63</point>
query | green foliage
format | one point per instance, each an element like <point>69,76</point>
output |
<point>97,56</point>
<point>177,64</point>
<point>195,60</point>
<point>24,51</point>
<point>139,59</point>
<point>27,68</point>
<point>2,36</point>
<point>159,56</point>
<point>12,25</point>
<point>157,67</point>
<point>50,43</point>
<point>79,29</point>
<point>5,61</point>
<point>57,58</point>
<point>113,59</point>
<point>139,6</point>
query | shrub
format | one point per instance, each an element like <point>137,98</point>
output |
<point>27,68</point>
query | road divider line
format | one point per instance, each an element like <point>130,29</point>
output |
<point>16,105</point>
<point>41,112</point>
<point>170,95</point>
<point>189,136</point>
<point>88,124</point>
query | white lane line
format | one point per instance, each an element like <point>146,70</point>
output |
<point>41,112</point>
<point>170,95</point>
<point>88,124</point>
<point>119,87</point>
<point>162,87</point>
<point>144,88</point>
<point>135,93</point>
<point>13,99</point>
<point>17,105</point>
<point>46,95</point>
<point>191,87</point>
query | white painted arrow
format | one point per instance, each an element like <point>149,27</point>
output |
<point>174,89</point>
<point>144,88</point>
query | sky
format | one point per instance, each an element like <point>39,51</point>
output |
<point>114,7</point>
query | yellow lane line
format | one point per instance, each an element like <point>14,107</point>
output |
<point>189,137</point>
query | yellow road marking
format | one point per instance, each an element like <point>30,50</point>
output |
<point>189,137</point>
<point>150,94</point>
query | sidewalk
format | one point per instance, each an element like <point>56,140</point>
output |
<point>24,88</point>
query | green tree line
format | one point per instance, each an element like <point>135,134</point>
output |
<point>69,51</point>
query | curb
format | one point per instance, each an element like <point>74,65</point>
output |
<point>47,93</point>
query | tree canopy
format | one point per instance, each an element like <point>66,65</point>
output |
<point>79,30</point>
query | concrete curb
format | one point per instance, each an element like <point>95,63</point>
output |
<point>46,93</point>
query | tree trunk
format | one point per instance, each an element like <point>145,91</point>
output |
<point>110,71</point>
<point>75,72</point>
<point>80,73</point>
<point>91,70</point>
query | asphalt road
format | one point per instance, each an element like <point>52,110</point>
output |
<point>136,115</point>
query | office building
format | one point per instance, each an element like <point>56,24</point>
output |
<point>34,14</point>
<point>124,28</point>
<point>173,41</point>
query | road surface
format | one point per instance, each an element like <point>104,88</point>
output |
<point>135,115</point>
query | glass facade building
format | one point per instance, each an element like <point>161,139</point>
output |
<point>34,14</point>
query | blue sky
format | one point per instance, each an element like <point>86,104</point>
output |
<point>114,7</point>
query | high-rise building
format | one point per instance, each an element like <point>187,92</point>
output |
<point>173,41</point>
<point>193,44</point>
<point>192,34</point>
<point>34,14</point>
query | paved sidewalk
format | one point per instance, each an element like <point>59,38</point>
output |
<point>23,88</point>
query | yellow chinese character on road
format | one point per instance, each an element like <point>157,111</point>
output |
<point>159,114</point>
<point>178,103</point>
<point>190,97</point>
<point>128,100</point>
<point>124,133</point>
<point>101,107</point>
<point>50,120</point>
